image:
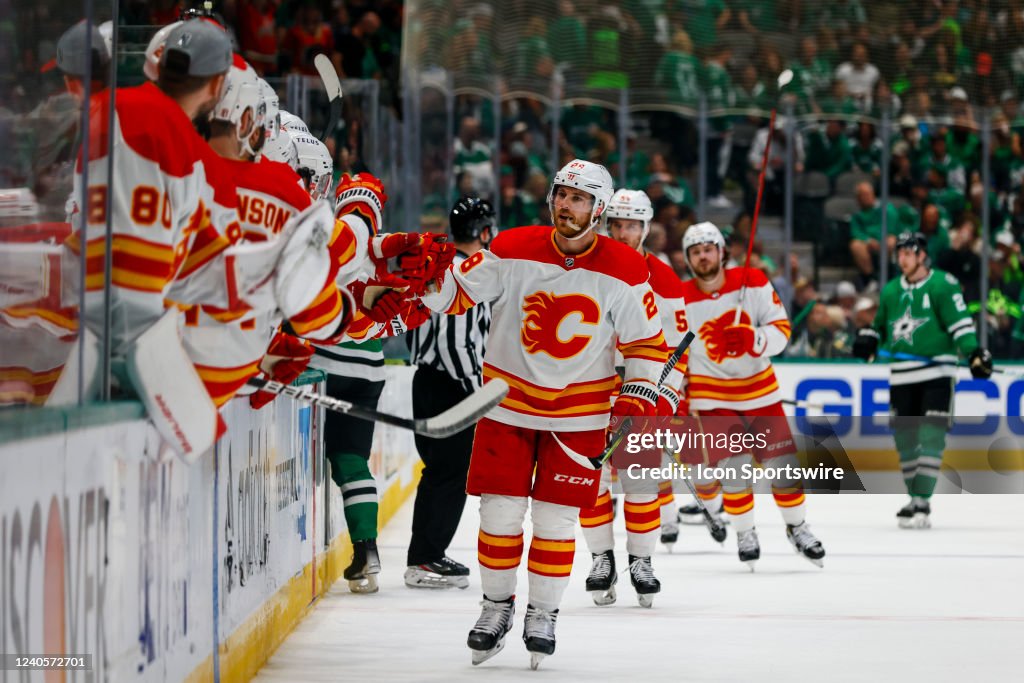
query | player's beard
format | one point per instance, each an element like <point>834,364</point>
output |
<point>569,225</point>
<point>201,121</point>
<point>707,271</point>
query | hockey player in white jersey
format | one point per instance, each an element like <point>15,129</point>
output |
<point>628,220</point>
<point>731,383</point>
<point>564,299</point>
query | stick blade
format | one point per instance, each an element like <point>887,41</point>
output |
<point>328,75</point>
<point>466,413</point>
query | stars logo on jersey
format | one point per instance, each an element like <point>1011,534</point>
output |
<point>903,327</point>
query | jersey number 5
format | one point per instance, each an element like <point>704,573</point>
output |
<point>681,324</point>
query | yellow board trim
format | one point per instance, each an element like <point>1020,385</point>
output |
<point>250,645</point>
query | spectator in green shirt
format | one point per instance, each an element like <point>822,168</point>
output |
<point>812,75</point>
<point>567,37</point>
<point>702,19</point>
<point>829,151</point>
<point>952,171</point>
<point>867,151</point>
<point>720,96</point>
<point>679,72</point>
<point>866,232</point>
<point>935,224</point>
<point>939,192</point>
<point>837,101</point>
<point>963,145</point>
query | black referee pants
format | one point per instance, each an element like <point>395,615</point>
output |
<point>441,495</point>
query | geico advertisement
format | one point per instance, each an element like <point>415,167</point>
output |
<point>860,390</point>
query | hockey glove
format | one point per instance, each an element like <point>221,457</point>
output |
<point>361,194</point>
<point>386,251</point>
<point>743,339</point>
<point>668,401</point>
<point>636,399</point>
<point>284,361</point>
<point>865,346</point>
<point>382,298</point>
<point>425,266</point>
<point>981,363</point>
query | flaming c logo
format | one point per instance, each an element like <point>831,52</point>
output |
<point>712,333</point>
<point>545,312</point>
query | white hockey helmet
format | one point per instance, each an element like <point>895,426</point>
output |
<point>241,93</point>
<point>314,163</point>
<point>293,123</point>
<point>151,67</point>
<point>272,110</point>
<point>588,177</point>
<point>702,233</point>
<point>632,205</point>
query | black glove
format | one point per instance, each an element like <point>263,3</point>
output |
<point>865,346</point>
<point>981,363</point>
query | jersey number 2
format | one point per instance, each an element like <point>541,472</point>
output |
<point>651,306</point>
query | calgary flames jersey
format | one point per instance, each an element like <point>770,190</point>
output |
<point>173,214</point>
<point>668,293</point>
<point>716,379</point>
<point>556,323</point>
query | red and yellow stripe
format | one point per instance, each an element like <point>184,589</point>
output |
<point>602,513</point>
<point>709,491</point>
<point>784,327</point>
<point>551,557</point>
<point>578,399</point>
<point>741,389</point>
<point>326,307</point>
<point>223,383</point>
<point>499,552</point>
<point>788,498</point>
<point>642,518</point>
<point>652,349</point>
<point>462,303</point>
<point>665,494</point>
<point>208,243</point>
<point>20,385</point>
<point>343,243</point>
<point>361,326</point>
<point>738,503</point>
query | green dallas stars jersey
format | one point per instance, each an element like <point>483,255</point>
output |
<point>927,318</point>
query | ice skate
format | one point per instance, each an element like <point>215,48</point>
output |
<point>749,547</point>
<point>487,638</point>
<point>669,534</point>
<point>539,633</point>
<point>641,574</point>
<point>602,578</point>
<point>806,543</point>
<point>445,573</point>
<point>362,573</point>
<point>691,514</point>
<point>915,515</point>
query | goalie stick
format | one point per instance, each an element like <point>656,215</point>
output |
<point>620,433</point>
<point>332,85</point>
<point>451,421</point>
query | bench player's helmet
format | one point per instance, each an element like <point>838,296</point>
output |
<point>151,65</point>
<point>272,111</point>
<point>588,177</point>
<point>632,205</point>
<point>469,218</point>
<point>703,233</point>
<point>241,93</point>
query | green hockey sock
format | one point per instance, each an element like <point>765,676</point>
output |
<point>358,491</point>
<point>906,444</point>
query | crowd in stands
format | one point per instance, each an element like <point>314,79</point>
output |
<point>936,69</point>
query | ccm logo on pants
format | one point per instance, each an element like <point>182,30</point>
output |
<point>582,481</point>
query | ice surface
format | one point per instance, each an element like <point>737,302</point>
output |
<point>945,604</point>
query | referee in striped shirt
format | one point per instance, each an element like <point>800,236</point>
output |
<point>448,353</point>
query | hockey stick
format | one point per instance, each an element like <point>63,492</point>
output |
<point>715,526</point>
<point>784,78</point>
<point>803,404</point>
<point>623,430</point>
<point>332,84</point>
<point>451,421</point>
<point>898,356</point>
